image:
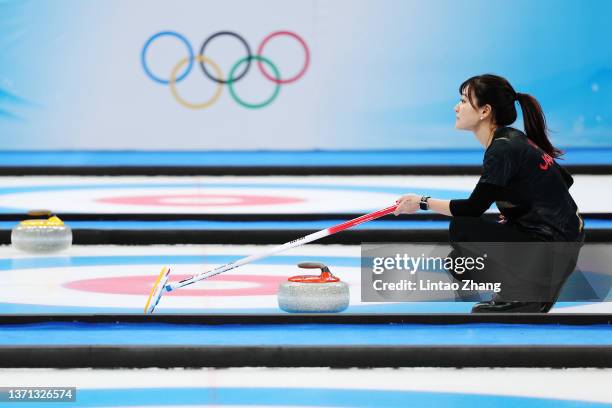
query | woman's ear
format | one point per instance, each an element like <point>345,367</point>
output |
<point>486,111</point>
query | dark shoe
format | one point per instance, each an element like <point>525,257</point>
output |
<point>510,307</point>
<point>545,308</point>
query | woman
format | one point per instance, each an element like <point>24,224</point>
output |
<point>521,175</point>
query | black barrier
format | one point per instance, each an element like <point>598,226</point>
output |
<point>578,319</point>
<point>288,356</point>
<point>203,236</point>
<point>400,170</point>
<point>139,356</point>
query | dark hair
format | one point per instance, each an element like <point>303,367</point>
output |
<point>500,95</point>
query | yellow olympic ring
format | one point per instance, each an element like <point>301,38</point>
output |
<point>179,99</point>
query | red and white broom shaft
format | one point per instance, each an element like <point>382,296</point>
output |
<point>280,248</point>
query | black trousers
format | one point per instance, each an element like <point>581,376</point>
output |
<point>527,268</point>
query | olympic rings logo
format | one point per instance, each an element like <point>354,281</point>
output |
<point>237,72</point>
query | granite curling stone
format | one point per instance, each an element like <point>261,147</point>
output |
<point>44,234</point>
<point>323,293</point>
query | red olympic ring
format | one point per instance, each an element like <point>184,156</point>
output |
<point>306,62</point>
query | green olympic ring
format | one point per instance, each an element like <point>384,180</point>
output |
<point>230,82</point>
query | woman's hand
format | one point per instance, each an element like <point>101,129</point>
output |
<point>407,204</point>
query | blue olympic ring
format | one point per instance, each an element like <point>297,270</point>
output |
<point>153,38</point>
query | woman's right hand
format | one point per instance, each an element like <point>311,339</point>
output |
<point>407,204</point>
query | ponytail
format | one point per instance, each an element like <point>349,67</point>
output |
<point>534,123</point>
<point>500,95</point>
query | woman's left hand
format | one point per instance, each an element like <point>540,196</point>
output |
<point>407,204</point>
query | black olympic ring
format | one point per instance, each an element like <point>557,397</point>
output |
<point>239,38</point>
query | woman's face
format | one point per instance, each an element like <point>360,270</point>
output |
<point>467,118</point>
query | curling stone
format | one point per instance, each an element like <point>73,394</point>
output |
<point>323,293</point>
<point>43,233</point>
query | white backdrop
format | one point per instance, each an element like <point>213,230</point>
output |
<point>382,74</point>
